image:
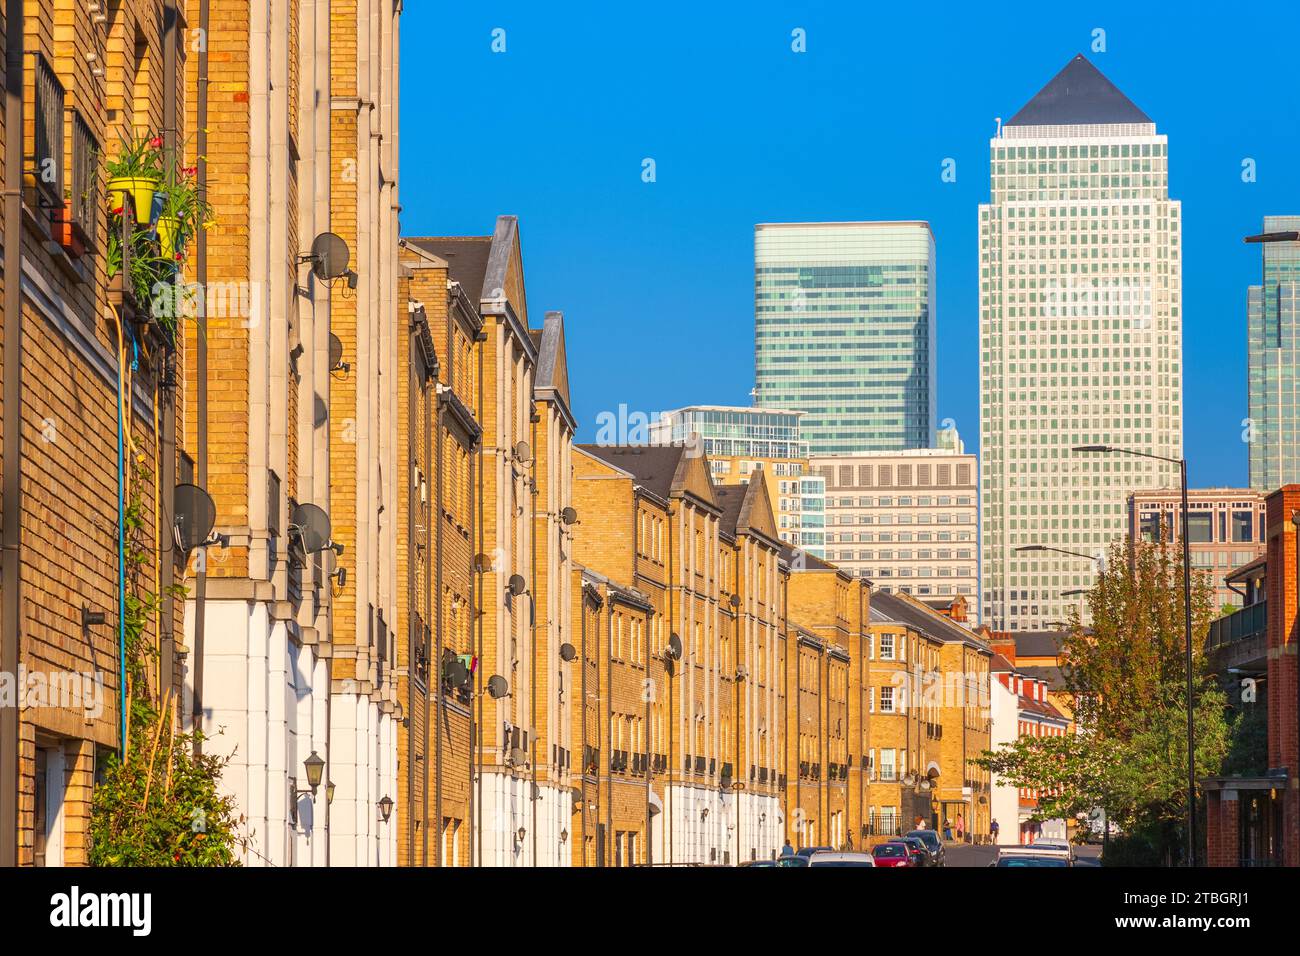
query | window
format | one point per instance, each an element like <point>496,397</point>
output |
<point>887,700</point>
<point>1199,528</point>
<point>1242,525</point>
<point>886,647</point>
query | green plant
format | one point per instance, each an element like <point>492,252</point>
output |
<point>141,158</point>
<point>157,804</point>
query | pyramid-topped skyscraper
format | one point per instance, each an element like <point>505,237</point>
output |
<point>1080,338</point>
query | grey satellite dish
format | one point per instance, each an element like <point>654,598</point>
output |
<point>312,526</point>
<point>482,563</point>
<point>675,647</point>
<point>517,584</point>
<point>329,257</point>
<point>568,516</point>
<point>567,652</point>
<point>523,451</point>
<point>336,355</point>
<point>456,672</point>
<point>497,687</point>
<point>735,600</point>
<point>194,515</point>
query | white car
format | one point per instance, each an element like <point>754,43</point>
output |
<point>1060,846</point>
<point>835,858</point>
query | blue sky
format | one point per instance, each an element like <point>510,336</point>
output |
<point>656,279</point>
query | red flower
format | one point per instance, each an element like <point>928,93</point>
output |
<point>180,257</point>
<point>156,142</point>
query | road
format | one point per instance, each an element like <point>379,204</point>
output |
<point>965,854</point>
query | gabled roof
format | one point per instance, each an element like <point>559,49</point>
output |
<point>552,360</point>
<point>466,257</point>
<point>660,469</point>
<point>914,614</point>
<point>1078,96</point>
<point>799,560</point>
<point>746,509</point>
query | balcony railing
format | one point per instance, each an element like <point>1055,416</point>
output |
<point>47,133</point>
<point>85,179</point>
<point>1239,626</point>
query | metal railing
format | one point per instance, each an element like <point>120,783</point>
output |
<point>85,178</point>
<point>1240,625</point>
<point>47,133</point>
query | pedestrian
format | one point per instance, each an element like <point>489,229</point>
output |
<point>787,850</point>
<point>961,826</point>
<point>947,829</point>
<point>993,829</point>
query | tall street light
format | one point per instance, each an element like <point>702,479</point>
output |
<point>1187,628</point>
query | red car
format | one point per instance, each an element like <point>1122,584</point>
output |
<point>891,854</point>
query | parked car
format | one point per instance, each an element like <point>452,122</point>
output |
<point>1033,855</point>
<point>1056,846</point>
<point>807,851</point>
<point>895,853</point>
<point>932,843</point>
<point>919,851</point>
<point>788,859</point>
<point>837,858</point>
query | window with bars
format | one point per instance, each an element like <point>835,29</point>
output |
<point>46,155</point>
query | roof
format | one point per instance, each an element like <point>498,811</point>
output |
<point>806,561</point>
<point>1249,570</point>
<point>654,466</point>
<point>1078,96</point>
<point>467,259</point>
<point>1000,664</point>
<point>1051,675</point>
<point>917,616</point>
<point>552,359</point>
<point>1036,643</point>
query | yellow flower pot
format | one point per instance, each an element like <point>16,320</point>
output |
<point>142,190</point>
<point>169,228</point>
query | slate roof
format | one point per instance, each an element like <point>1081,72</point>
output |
<point>467,259</point>
<point>899,609</point>
<point>1077,96</point>
<point>1037,643</point>
<point>653,466</point>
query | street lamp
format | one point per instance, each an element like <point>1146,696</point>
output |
<point>386,807</point>
<point>1044,547</point>
<point>1187,628</point>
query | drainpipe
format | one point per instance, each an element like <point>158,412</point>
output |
<point>13,418</point>
<point>582,677</point>
<point>412,603</point>
<point>167,442</point>
<point>533,790</point>
<point>670,669</point>
<point>476,475</point>
<point>433,601</point>
<point>201,370</point>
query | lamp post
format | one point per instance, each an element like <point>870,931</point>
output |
<point>1187,628</point>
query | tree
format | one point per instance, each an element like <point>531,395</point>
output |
<point>1128,675</point>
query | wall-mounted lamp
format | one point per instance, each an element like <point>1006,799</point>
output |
<point>386,808</point>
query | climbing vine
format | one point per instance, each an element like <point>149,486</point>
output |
<point>157,804</point>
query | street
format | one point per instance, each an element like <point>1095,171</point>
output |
<point>967,855</point>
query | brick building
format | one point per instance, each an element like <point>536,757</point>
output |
<point>1255,821</point>
<point>90,416</point>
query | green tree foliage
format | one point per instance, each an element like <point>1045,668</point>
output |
<point>1127,673</point>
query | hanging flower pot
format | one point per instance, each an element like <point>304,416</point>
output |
<point>169,231</point>
<point>68,234</point>
<point>141,188</point>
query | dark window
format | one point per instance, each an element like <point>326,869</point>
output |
<point>1243,525</point>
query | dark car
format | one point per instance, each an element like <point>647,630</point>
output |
<point>919,851</point>
<point>895,853</point>
<point>807,851</point>
<point>932,843</point>
<point>787,859</point>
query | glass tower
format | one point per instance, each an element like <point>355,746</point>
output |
<point>1273,346</point>
<point>844,331</point>
<point>1080,339</point>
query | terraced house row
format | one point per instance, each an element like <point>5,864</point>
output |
<point>310,488</point>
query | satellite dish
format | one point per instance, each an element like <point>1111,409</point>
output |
<point>497,687</point>
<point>909,780</point>
<point>329,257</point>
<point>194,515</point>
<point>523,451</point>
<point>735,600</point>
<point>336,355</point>
<point>517,584</point>
<point>674,647</point>
<point>567,652</point>
<point>313,527</point>
<point>482,563</point>
<point>568,516</point>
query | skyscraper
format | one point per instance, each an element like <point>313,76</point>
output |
<point>844,331</point>
<point>1273,346</point>
<point>1080,338</point>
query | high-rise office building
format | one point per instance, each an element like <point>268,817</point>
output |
<point>740,440</point>
<point>1273,346</point>
<point>1080,338</point>
<point>844,318</point>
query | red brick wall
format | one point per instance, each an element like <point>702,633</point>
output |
<point>1283,749</point>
